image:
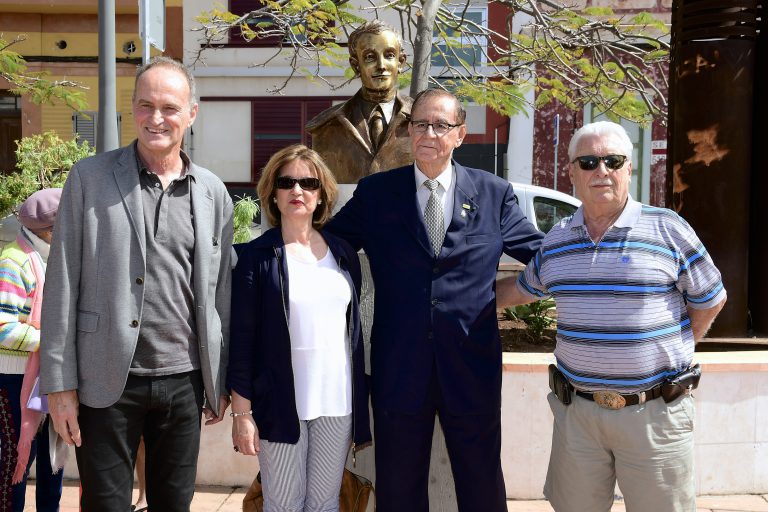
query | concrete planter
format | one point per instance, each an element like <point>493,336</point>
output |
<point>731,431</point>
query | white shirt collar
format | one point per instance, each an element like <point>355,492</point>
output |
<point>445,178</point>
<point>628,218</point>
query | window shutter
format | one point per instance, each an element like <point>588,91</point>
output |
<point>84,125</point>
<point>278,123</point>
<point>241,7</point>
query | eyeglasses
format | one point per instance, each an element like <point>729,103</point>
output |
<point>440,129</point>
<point>590,162</point>
<point>287,183</point>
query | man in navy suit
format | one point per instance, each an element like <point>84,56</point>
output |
<point>434,232</point>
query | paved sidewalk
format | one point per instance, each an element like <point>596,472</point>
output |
<point>230,499</point>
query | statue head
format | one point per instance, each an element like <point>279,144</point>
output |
<point>377,57</point>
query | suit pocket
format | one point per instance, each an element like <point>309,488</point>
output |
<point>479,239</point>
<point>87,321</point>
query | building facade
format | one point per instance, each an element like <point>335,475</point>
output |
<point>61,38</point>
<point>242,122</point>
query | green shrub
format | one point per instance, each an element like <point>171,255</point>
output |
<point>537,316</point>
<point>43,161</point>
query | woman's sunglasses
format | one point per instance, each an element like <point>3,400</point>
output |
<point>287,183</point>
<point>590,162</point>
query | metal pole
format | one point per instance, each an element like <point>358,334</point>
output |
<point>555,187</point>
<point>556,140</point>
<point>144,7</point>
<point>496,151</point>
<point>106,129</point>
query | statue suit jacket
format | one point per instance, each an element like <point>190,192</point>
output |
<point>436,312</point>
<point>94,280</point>
<point>340,135</point>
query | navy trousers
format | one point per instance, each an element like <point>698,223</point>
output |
<point>403,444</point>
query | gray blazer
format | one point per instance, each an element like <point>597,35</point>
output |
<point>94,293</point>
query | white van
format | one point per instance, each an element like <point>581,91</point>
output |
<point>544,207</point>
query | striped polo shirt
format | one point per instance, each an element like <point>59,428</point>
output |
<point>622,322</point>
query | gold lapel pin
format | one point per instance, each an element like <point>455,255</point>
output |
<point>465,206</point>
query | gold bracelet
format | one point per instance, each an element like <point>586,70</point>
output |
<point>236,414</point>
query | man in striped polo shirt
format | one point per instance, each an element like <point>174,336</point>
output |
<point>635,290</point>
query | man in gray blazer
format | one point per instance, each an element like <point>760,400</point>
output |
<point>136,313</point>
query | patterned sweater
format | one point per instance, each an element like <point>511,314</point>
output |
<point>17,289</point>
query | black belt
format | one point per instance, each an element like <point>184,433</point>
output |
<point>613,400</point>
<point>682,383</point>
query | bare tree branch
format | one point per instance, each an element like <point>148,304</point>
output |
<point>617,63</point>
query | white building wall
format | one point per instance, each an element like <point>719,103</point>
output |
<point>223,124</point>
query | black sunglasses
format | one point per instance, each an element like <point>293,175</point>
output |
<point>287,183</point>
<point>590,162</point>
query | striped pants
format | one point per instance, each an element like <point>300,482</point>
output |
<point>306,476</point>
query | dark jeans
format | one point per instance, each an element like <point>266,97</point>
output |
<point>166,411</point>
<point>403,444</point>
<point>48,485</point>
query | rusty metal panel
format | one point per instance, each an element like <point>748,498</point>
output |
<point>710,147</point>
<point>758,263</point>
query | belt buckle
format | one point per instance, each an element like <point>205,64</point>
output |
<point>609,400</point>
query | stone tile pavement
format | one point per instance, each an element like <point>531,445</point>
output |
<point>229,499</point>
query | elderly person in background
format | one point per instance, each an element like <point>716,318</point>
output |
<point>22,276</point>
<point>635,290</point>
<point>296,367</point>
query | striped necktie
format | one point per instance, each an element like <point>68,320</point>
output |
<point>433,216</point>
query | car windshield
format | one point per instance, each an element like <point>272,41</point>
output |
<point>549,211</point>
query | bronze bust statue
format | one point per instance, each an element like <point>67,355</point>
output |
<point>369,132</point>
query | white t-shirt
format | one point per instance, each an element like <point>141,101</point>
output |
<point>319,296</point>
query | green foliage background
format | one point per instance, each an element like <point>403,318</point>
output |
<point>44,161</point>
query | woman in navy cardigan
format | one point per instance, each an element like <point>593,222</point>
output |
<point>296,366</point>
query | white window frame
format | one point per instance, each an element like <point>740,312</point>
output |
<point>436,71</point>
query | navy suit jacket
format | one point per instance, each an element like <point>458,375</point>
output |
<point>436,314</point>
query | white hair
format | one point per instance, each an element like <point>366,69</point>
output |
<point>602,129</point>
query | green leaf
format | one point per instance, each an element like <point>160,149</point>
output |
<point>656,55</point>
<point>598,11</point>
<point>245,210</point>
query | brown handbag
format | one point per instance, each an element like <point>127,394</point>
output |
<point>355,492</point>
<point>353,496</point>
<point>254,499</point>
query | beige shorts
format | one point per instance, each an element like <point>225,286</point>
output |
<point>647,448</point>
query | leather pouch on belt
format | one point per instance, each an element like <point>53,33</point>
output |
<point>559,385</point>
<point>681,384</point>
